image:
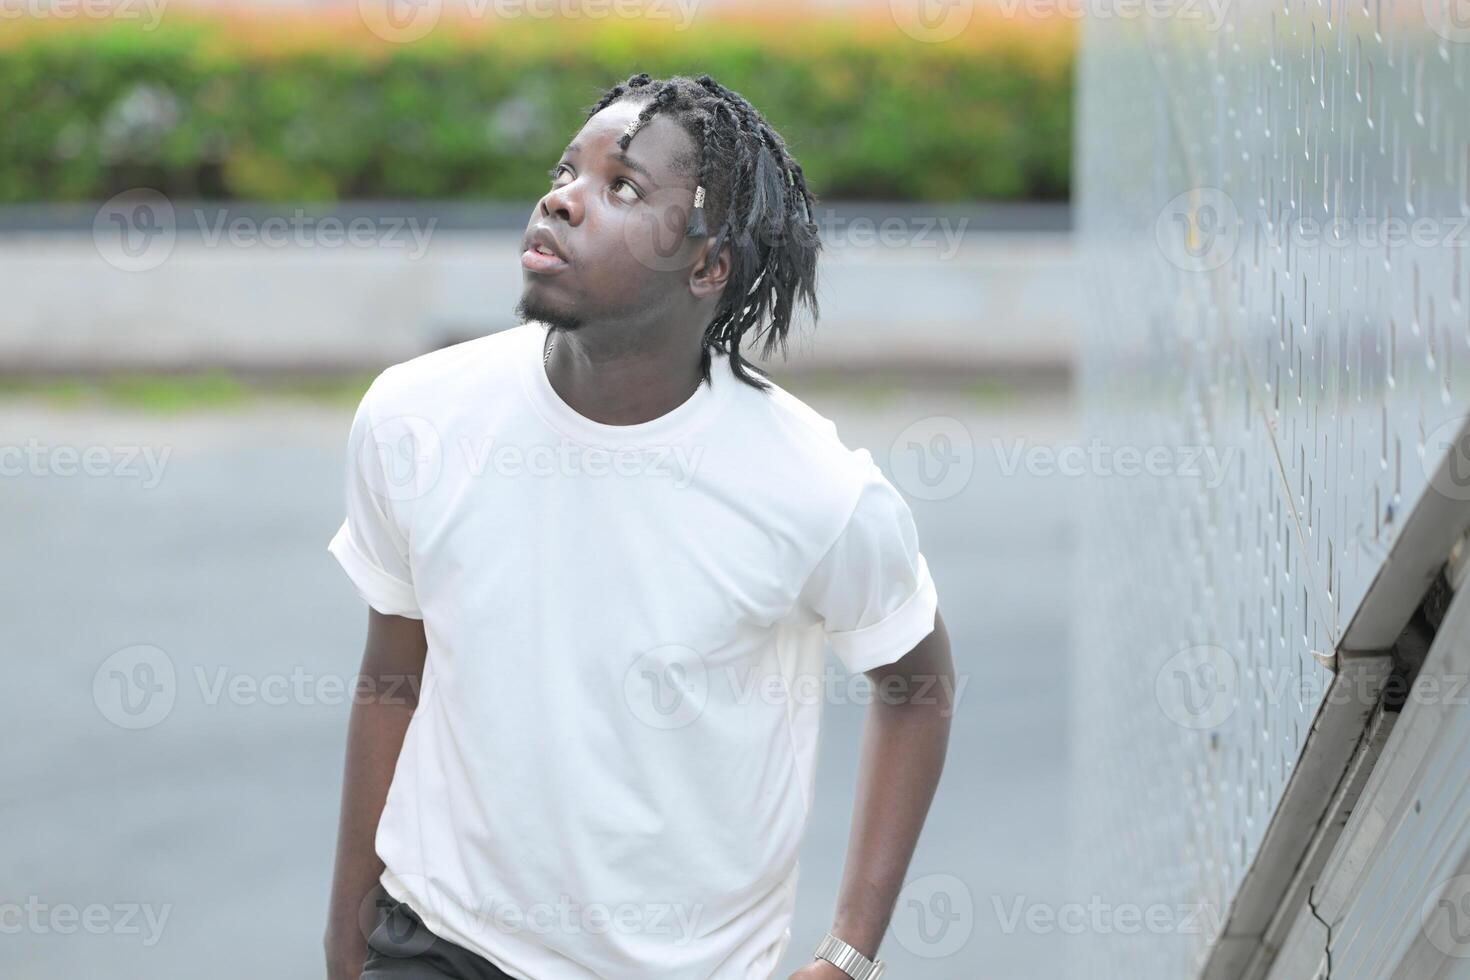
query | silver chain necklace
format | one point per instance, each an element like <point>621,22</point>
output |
<point>546,358</point>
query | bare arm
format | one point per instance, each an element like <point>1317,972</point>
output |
<point>383,702</point>
<point>905,737</point>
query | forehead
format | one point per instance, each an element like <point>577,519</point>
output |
<point>661,145</point>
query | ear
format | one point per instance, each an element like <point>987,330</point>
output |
<point>709,280</point>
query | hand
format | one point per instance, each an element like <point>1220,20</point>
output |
<point>820,970</point>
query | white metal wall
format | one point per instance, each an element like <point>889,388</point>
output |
<point>1274,209</point>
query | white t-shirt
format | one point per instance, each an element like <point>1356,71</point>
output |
<point>612,761</point>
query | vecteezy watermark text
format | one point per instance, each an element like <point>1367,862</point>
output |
<point>137,230</point>
<point>1200,687</point>
<point>36,917</point>
<point>36,458</point>
<point>138,687</point>
<point>406,21</point>
<point>670,686</point>
<point>404,457</point>
<point>1102,918</point>
<point>1212,12</point>
<point>150,12</point>
<point>1202,229</point>
<point>1205,463</point>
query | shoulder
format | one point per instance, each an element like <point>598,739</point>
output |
<point>436,377</point>
<point>798,443</point>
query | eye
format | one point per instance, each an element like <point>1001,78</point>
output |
<point>625,182</point>
<point>555,172</point>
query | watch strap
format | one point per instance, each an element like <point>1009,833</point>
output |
<point>847,959</point>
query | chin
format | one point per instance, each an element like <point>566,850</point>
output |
<point>532,308</point>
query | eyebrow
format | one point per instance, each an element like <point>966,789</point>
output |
<point>620,157</point>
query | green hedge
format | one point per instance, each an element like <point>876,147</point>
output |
<point>194,113</point>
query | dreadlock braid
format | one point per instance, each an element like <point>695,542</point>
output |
<point>697,226</point>
<point>755,198</point>
<point>617,91</point>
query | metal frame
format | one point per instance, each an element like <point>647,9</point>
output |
<point>1389,900</point>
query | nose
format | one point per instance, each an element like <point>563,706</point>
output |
<point>563,202</point>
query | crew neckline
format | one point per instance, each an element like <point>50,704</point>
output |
<point>695,411</point>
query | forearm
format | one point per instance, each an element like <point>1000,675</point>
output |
<point>374,739</point>
<point>905,737</point>
<point>387,695</point>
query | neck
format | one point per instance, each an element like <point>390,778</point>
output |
<point>625,386</point>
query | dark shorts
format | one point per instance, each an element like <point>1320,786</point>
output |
<point>402,947</point>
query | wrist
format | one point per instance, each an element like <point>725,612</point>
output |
<point>858,938</point>
<point>857,941</point>
<point>849,960</point>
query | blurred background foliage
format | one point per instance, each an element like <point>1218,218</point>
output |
<point>314,108</point>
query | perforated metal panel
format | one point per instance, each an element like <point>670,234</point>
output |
<point>1275,215</point>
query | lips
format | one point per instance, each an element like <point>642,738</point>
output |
<point>542,251</point>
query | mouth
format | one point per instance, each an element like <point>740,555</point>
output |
<point>543,253</point>
<point>538,259</point>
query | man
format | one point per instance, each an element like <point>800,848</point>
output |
<point>607,556</point>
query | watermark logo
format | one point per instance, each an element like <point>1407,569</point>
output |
<point>136,230</point>
<point>1447,458</point>
<point>400,21</point>
<point>934,458</point>
<point>1450,19</point>
<point>135,687</point>
<point>932,21</point>
<point>1199,230</point>
<point>654,233</point>
<point>1196,688</point>
<point>390,926</point>
<point>1446,917</point>
<point>402,458</point>
<point>935,916</point>
<point>667,687</point>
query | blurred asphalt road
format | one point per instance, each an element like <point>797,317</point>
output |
<point>222,816</point>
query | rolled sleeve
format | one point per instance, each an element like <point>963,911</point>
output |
<point>872,589</point>
<point>377,587</point>
<point>370,545</point>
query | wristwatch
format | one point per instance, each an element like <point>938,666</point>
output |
<point>848,960</point>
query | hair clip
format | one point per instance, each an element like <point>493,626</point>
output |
<point>632,128</point>
<point>696,225</point>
